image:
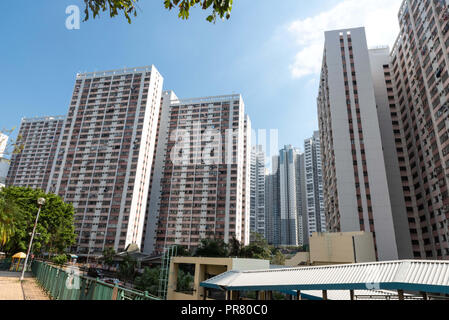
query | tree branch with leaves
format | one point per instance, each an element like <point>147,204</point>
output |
<point>220,8</point>
<point>10,147</point>
<point>128,7</point>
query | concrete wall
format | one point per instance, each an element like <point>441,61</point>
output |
<point>207,266</point>
<point>348,247</point>
<point>300,258</point>
<point>336,248</point>
<point>378,59</point>
<point>364,247</point>
<point>202,265</point>
<point>250,264</point>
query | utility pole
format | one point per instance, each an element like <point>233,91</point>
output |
<point>40,202</point>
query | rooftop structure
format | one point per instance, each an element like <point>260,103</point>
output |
<point>406,275</point>
<point>38,139</point>
<point>203,269</point>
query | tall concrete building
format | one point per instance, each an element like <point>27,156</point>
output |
<point>159,157</point>
<point>418,94</point>
<point>200,177</point>
<point>272,205</point>
<point>291,164</point>
<point>384,94</point>
<point>301,203</point>
<point>37,140</point>
<point>104,157</point>
<point>314,198</point>
<point>257,190</point>
<point>356,188</point>
<point>246,220</point>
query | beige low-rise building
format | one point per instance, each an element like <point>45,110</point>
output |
<point>204,269</point>
<point>336,248</point>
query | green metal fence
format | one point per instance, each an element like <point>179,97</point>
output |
<point>60,285</point>
<point>5,264</point>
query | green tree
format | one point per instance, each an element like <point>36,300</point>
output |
<point>94,7</point>
<point>235,248</point>
<point>12,146</point>
<point>108,256</point>
<point>182,251</point>
<point>185,281</point>
<point>55,229</point>
<point>214,248</point>
<point>254,251</point>
<point>127,269</point>
<point>148,281</point>
<point>258,249</point>
<point>278,259</point>
<point>220,8</point>
<point>60,260</point>
<point>9,213</point>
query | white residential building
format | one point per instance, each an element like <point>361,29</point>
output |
<point>257,214</point>
<point>314,199</point>
<point>37,143</point>
<point>200,178</point>
<point>356,189</point>
<point>104,158</point>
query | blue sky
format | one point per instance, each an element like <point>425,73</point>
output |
<point>270,52</point>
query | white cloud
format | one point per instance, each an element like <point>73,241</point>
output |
<point>379,17</point>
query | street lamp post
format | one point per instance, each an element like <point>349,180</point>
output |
<point>40,202</point>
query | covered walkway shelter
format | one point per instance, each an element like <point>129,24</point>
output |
<point>403,279</point>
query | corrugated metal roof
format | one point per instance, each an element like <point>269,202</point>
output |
<point>413,275</point>
<point>359,295</point>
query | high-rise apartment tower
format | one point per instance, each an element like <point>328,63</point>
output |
<point>200,176</point>
<point>313,189</point>
<point>257,213</point>
<point>36,148</point>
<point>356,188</point>
<point>104,158</point>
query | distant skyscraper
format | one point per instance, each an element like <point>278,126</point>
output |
<point>272,205</point>
<point>246,220</point>
<point>104,157</point>
<point>38,138</point>
<point>199,180</point>
<point>301,199</point>
<point>356,189</point>
<point>314,199</point>
<point>291,210</point>
<point>258,190</point>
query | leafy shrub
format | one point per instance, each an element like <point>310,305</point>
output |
<point>60,260</point>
